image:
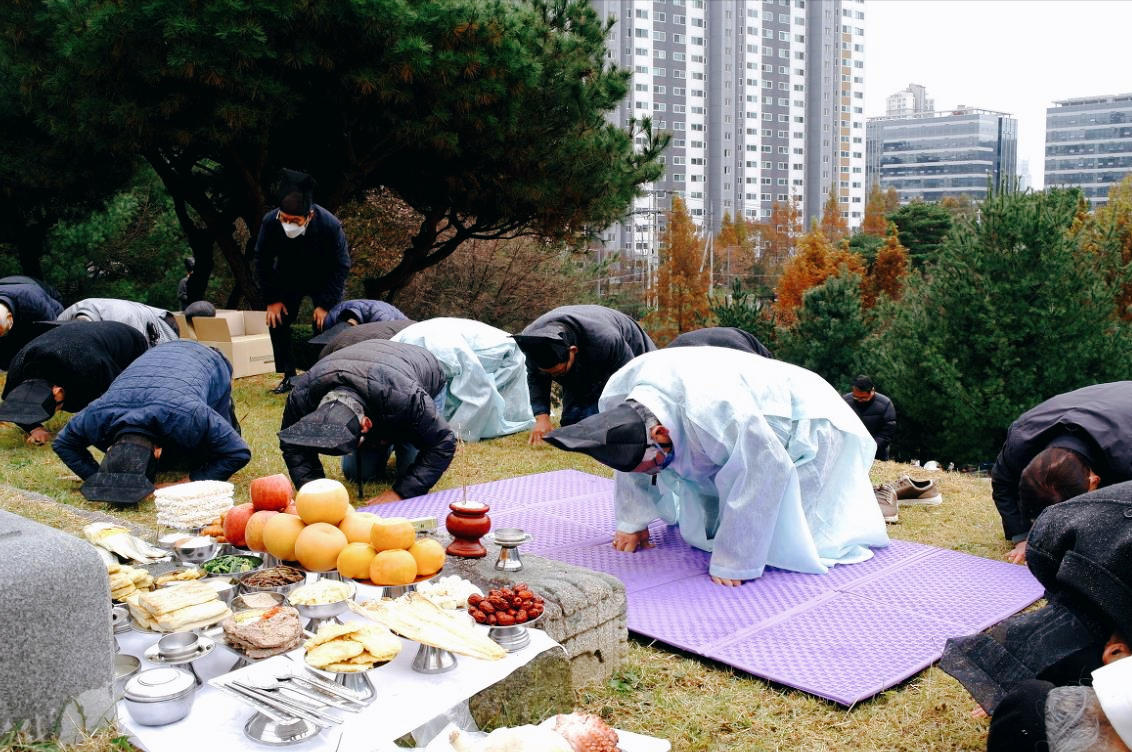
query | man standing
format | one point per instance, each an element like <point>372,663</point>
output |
<point>876,411</point>
<point>362,402</point>
<point>1069,444</point>
<point>579,347</point>
<point>66,368</point>
<point>23,301</point>
<point>758,461</point>
<point>300,251</point>
<point>172,405</point>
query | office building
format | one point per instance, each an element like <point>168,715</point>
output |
<point>908,101</point>
<point>764,101</point>
<point>930,156</point>
<point>1089,144</point>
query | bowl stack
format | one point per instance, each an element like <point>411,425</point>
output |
<point>190,506</point>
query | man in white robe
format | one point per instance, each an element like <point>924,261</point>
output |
<point>487,376</point>
<point>758,461</point>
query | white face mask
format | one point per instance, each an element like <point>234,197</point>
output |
<point>294,231</point>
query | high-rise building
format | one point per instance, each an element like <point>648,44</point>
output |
<point>764,100</point>
<point>908,101</point>
<point>930,156</point>
<point>1089,144</point>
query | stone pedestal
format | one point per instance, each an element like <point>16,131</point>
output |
<point>56,645</point>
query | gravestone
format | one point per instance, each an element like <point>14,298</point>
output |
<point>56,643</point>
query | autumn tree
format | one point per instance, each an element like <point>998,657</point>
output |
<point>773,242</point>
<point>682,282</point>
<point>1107,236</point>
<point>887,272</point>
<point>815,261</point>
<point>830,331</point>
<point>891,200</point>
<point>875,222</point>
<point>833,222</point>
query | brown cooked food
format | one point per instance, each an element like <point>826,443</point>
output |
<point>261,633</point>
<point>274,577</point>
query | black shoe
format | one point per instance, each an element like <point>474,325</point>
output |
<point>286,385</point>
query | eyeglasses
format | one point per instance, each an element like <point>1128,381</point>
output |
<point>293,219</point>
<point>657,457</point>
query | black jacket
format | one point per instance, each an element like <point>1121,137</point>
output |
<point>29,301</point>
<point>178,393</point>
<point>315,263</point>
<point>363,332</point>
<point>879,417</point>
<point>396,383</point>
<point>606,340</point>
<point>721,336</point>
<point>1093,421</point>
<point>82,357</point>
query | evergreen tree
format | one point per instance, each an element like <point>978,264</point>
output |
<point>830,330</point>
<point>922,227</point>
<point>1012,313</point>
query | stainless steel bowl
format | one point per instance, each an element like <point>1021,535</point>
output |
<point>125,666</point>
<point>195,549</point>
<point>326,610</point>
<point>178,645</point>
<point>225,585</point>
<point>159,696</point>
<point>249,587</point>
<point>240,602</point>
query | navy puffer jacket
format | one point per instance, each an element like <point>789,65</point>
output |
<point>179,394</point>
<point>365,311</point>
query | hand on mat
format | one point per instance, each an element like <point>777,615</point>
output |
<point>1017,555</point>
<point>630,542</point>
<point>726,582</point>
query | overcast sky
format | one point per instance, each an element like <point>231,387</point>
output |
<point>1013,56</point>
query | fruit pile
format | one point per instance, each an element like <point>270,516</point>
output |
<point>321,531</point>
<point>505,607</point>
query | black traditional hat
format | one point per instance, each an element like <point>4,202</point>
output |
<point>546,346</point>
<point>296,192</point>
<point>334,428</point>
<point>616,438</point>
<point>30,402</point>
<point>328,335</point>
<point>126,473</point>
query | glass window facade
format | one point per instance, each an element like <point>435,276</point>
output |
<point>1089,144</point>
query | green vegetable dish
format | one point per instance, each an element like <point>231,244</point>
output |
<point>231,564</point>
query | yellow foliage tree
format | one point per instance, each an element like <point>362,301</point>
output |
<point>833,224</point>
<point>682,282</point>
<point>891,201</point>
<point>1111,228</point>
<point>778,235</point>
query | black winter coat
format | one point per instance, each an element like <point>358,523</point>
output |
<point>879,417</point>
<point>606,340</point>
<point>179,394</point>
<point>396,383</point>
<point>1093,420</point>
<point>721,336</point>
<point>82,357</point>
<point>29,301</point>
<point>315,263</point>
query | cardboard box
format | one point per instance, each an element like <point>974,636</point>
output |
<point>241,335</point>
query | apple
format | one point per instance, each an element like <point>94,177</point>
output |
<point>253,531</point>
<point>273,493</point>
<point>235,522</point>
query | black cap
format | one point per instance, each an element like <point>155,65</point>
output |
<point>328,335</point>
<point>296,192</point>
<point>546,346</point>
<point>199,308</point>
<point>126,473</point>
<point>331,429</point>
<point>30,402</point>
<point>616,438</point>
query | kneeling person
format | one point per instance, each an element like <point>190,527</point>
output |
<point>173,404</point>
<point>364,401</point>
<point>758,461</point>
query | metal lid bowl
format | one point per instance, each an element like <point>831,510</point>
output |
<point>178,645</point>
<point>159,696</point>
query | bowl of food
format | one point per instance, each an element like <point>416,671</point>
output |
<point>159,696</point>
<point>322,599</point>
<point>281,579</point>
<point>257,600</point>
<point>234,564</point>
<point>195,549</point>
<point>226,587</point>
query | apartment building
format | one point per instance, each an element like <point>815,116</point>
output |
<point>764,100</point>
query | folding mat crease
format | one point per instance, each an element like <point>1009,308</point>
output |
<point>845,636</point>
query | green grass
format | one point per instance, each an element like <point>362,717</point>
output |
<point>697,705</point>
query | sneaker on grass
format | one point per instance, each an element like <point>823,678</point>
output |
<point>923,493</point>
<point>886,498</point>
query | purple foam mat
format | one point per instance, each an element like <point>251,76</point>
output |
<point>845,635</point>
